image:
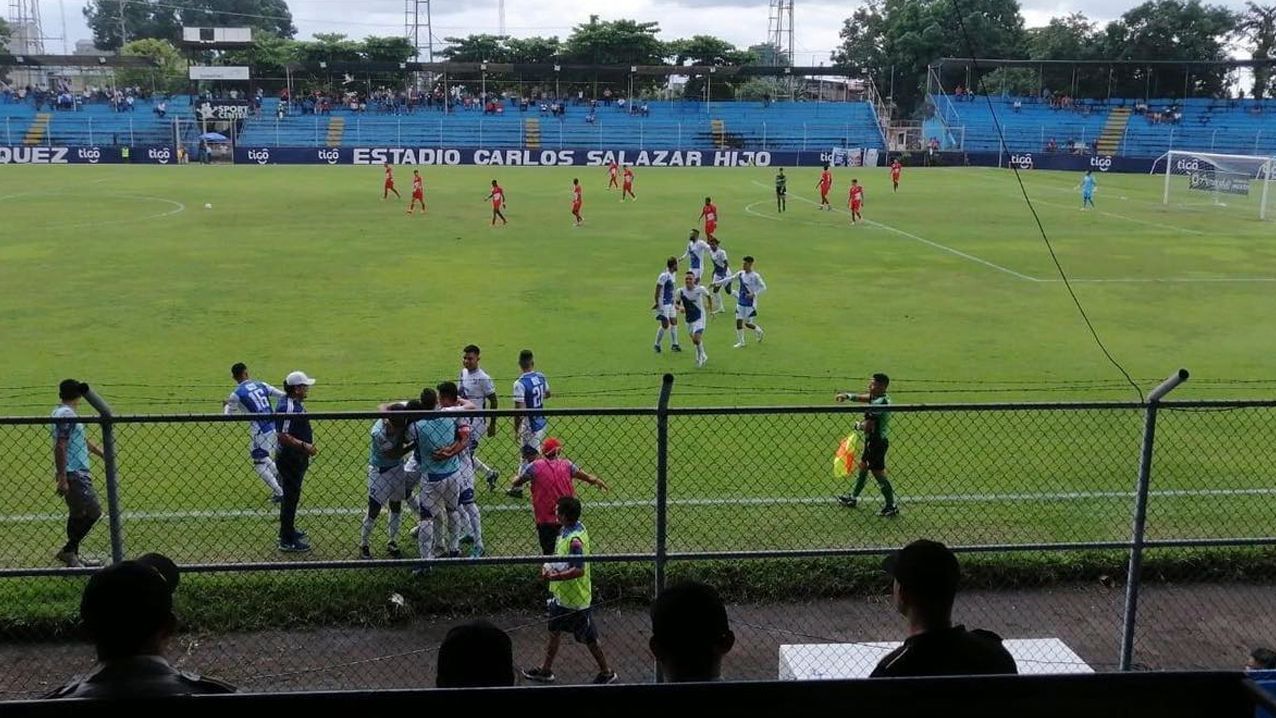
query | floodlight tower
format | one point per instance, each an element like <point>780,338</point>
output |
<point>416,28</point>
<point>24,20</point>
<point>501,17</point>
<point>780,31</point>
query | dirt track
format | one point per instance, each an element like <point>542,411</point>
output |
<point>1195,626</point>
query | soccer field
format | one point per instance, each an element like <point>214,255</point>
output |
<point>119,276</point>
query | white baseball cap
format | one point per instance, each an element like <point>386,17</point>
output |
<point>298,378</point>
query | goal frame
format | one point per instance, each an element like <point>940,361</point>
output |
<point>1265,172</point>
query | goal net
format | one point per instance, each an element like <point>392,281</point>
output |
<point>1205,179</point>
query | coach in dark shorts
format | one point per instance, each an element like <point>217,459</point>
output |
<point>71,449</point>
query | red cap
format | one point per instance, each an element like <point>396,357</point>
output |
<point>551,446</point>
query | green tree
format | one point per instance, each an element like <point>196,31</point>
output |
<point>270,16</point>
<point>328,47</point>
<point>4,41</point>
<point>1071,37</point>
<point>387,49</point>
<point>768,55</point>
<point>1257,27</point>
<point>268,57</point>
<point>476,48</point>
<point>707,50</point>
<point>622,42</point>
<point>1186,30</point>
<point>163,19</point>
<point>168,74</point>
<point>532,50</point>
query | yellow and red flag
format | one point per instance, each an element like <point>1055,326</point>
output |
<point>844,457</point>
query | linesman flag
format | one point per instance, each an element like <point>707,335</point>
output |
<point>844,457</point>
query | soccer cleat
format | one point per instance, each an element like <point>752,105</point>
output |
<point>538,675</point>
<point>476,551</point>
<point>676,347</point>
<point>69,558</point>
<point>452,554</point>
<point>737,345</point>
<point>656,347</point>
<point>700,360</point>
<point>414,531</point>
<point>276,499</point>
<point>467,539</point>
<point>295,546</point>
<point>760,333</point>
<point>491,476</point>
<point>365,553</point>
<point>848,501</point>
<point>603,679</point>
<point>392,549</point>
<point>888,512</point>
<point>515,493</point>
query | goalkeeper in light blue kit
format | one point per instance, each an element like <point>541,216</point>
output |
<point>1087,189</point>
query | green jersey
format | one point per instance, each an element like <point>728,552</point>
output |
<point>881,419</point>
<point>781,183</point>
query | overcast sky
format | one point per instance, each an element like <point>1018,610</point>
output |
<point>743,22</point>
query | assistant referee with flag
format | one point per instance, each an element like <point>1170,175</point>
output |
<point>876,428</point>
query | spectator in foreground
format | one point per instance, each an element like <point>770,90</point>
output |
<point>1261,659</point>
<point>690,633</point>
<point>926,575</point>
<point>475,655</point>
<point>127,610</point>
<point>71,449</point>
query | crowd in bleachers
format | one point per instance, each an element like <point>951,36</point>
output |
<point>127,612</point>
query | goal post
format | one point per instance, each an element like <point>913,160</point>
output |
<point>1196,178</point>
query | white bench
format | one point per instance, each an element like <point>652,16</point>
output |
<point>826,661</point>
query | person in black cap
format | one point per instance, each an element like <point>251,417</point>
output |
<point>689,632</point>
<point>127,610</point>
<point>475,655</point>
<point>926,575</point>
<point>71,449</point>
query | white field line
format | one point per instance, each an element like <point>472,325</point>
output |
<point>925,241</point>
<point>178,207</point>
<point>651,503</point>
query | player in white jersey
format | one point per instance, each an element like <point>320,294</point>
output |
<point>663,305</point>
<point>746,303</point>
<point>468,518</point>
<point>691,302</point>
<point>478,388</point>
<point>721,268</point>
<point>253,397</point>
<point>696,249</point>
<point>387,480</point>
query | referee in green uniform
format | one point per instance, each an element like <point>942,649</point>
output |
<point>876,428</point>
<point>781,189</point>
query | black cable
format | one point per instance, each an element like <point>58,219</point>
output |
<point>1001,136</point>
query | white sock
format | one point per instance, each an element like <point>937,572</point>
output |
<point>365,531</point>
<point>660,335</point>
<point>700,350</point>
<point>454,531</point>
<point>471,512</point>
<point>425,538</point>
<point>674,332</point>
<point>269,476</point>
<point>396,519</point>
<point>757,330</point>
<point>440,531</point>
<point>739,335</point>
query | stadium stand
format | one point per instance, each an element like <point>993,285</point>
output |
<point>1127,127</point>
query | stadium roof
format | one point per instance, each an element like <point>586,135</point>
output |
<point>74,61</point>
<point>548,69</point>
<point>1002,62</point>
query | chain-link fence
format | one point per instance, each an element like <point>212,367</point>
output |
<point>1067,518</point>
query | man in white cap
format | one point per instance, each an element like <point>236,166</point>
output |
<point>296,446</point>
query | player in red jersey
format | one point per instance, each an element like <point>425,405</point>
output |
<point>576,202</point>
<point>896,168</point>
<point>709,213</point>
<point>856,200</point>
<point>497,196</point>
<point>629,185</point>
<point>389,183</point>
<point>826,184</point>
<point>612,169</point>
<point>418,192</point>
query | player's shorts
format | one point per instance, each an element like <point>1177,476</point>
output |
<point>745,312</point>
<point>465,478</point>
<point>719,275</point>
<point>710,227</point>
<point>781,191</point>
<point>387,484</point>
<point>666,311</point>
<point>855,206</point>
<point>439,495</point>
<point>696,272</point>
<point>263,445</point>
<point>577,621</point>
<point>389,184</point>
<point>895,178</point>
<point>697,326</point>
<point>81,499</point>
<point>418,195</point>
<point>825,190</point>
<point>576,206</point>
<point>875,453</point>
<point>496,206</point>
<point>1087,195</point>
<point>527,437</point>
<point>629,186</point>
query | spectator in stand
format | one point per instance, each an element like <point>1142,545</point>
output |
<point>925,577</point>
<point>690,633</point>
<point>161,109</point>
<point>607,97</point>
<point>591,117</point>
<point>127,611</point>
<point>551,479</point>
<point>475,655</point>
<point>646,110</point>
<point>1261,659</point>
<point>1018,105</point>
<point>960,92</point>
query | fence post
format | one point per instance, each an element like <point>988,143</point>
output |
<point>276,132</point>
<point>662,489</point>
<point>112,478</point>
<point>764,136</point>
<point>8,131</point>
<point>131,140</point>
<point>1140,517</point>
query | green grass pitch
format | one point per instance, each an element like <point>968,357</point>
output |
<point>121,277</point>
